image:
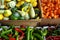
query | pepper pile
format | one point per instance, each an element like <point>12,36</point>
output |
<point>50,8</point>
<point>21,33</point>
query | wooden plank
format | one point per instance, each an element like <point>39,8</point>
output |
<point>32,22</point>
<point>50,21</point>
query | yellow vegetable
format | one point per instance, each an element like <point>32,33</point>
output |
<point>19,3</point>
<point>1,16</point>
<point>18,0</point>
<point>7,13</point>
<point>27,0</point>
<point>34,4</point>
<point>7,0</point>
<point>26,9</point>
<point>33,1</point>
<point>36,14</point>
<point>37,18</point>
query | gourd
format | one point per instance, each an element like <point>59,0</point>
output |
<point>21,13</point>
<point>19,3</point>
<point>26,16</point>
<point>11,4</point>
<point>32,12</point>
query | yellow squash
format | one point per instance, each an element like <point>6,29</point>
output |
<point>7,0</point>
<point>33,0</point>
<point>34,4</point>
<point>27,0</point>
<point>19,3</point>
<point>7,13</point>
<point>1,16</point>
<point>18,0</point>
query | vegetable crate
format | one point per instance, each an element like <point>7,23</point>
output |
<point>19,10</point>
<point>9,14</point>
<point>50,9</point>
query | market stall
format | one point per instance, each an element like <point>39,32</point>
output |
<point>29,19</point>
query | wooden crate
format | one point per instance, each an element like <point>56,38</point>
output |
<point>32,22</point>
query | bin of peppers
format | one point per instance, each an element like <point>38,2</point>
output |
<point>22,33</point>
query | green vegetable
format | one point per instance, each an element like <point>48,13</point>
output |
<point>21,18</point>
<point>56,32</point>
<point>4,28</point>
<point>13,9</point>
<point>38,31</point>
<point>37,11</point>
<point>6,37</point>
<point>17,37</point>
<point>38,36</point>
<point>5,32</point>
<point>12,17</point>
<point>44,32</point>
<point>15,16</point>
<point>16,33</point>
<point>31,34</point>
<point>28,33</point>
<point>34,38</point>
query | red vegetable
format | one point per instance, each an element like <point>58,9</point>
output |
<point>10,35</point>
<point>53,38</point>
<point>12,39</point>
<point>57,38</point>
<point>0,38</point>
<point>18,30</point>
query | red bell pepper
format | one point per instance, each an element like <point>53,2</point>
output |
<point>12,39</point>
<point>20,31</point>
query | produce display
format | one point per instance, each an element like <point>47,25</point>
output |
<point>50,8</point>
<point>22,33</point>
<point>27,10</point>
<point>19,10</point>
